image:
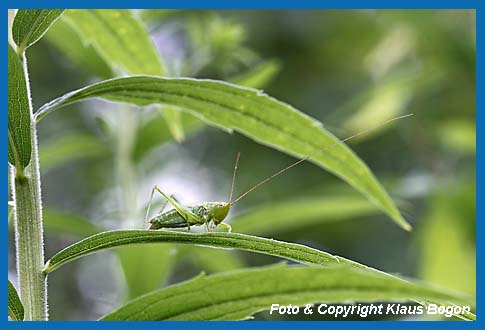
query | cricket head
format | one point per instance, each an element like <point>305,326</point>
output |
<point>219,212</point>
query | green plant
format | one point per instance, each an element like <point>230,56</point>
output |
<point>124,53</point>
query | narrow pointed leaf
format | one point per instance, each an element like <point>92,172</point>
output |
<point>259,76</point>
<point>238,295</point>
<point>19,147</point>
<point>119,38</point>
<point>15,307</point>
<point>145,267</point>
<point>173,118</point>
<point>157,131</point>
<point>209,259</point>
<point>61,222</point>
<point>125,44</point>
<point>115,238</point>
<point>293,214</point>
<point>71,147</point>
<point>31,24</point>
<point>65,38</point>
<point>251,112</point>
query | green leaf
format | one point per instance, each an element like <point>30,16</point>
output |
<point>31,24</point>
<point>66,223</point>
<point>212,260</point>
<point>259,76</point>
<point>19,147</point>
<point>11,18</point>
<point>15,307</point>
<point>61,222</point>
<point>173,117</point>
<point>239,294</point>
<point>65,38</point>
<point>458,135</point>
<point>145,267</point>
<point>124,43</point>
<point>119,38</point>
<point>443,229</point>
<point>71,147</point>
<point>156,131</point>
<point>157,15</point>
<point>293,214</point>
<point>249,111</point>
<point>384,102</point>
<point>111,239</point>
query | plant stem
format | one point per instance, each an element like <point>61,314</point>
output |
<point>29,229</point>
<point>125,169</point>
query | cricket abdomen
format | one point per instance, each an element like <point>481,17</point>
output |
<point>169,219</point>
<point>173,219</point>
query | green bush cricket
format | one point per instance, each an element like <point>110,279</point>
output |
<point>215,212</point>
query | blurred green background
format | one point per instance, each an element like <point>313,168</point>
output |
<point>349,69</point>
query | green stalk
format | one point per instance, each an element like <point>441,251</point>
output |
<point>26,193</point>
<point>125,169</point>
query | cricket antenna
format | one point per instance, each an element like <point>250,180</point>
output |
<point>234,177</point>
<point>307,157</point>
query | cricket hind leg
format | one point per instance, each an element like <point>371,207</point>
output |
<point>150,204</point>
<point>185,213</point>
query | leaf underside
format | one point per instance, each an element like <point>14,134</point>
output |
<point>250,112</point>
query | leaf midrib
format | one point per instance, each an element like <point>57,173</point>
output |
<point>333,289</point>
<point>142,237</point>
<point>31,32</point>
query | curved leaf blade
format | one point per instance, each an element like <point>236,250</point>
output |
<point>61,222</point>
<point>115,238</point>
<point>250,112</point>
<point>157,131</point>
<point>259,76</point>
<point>118,37</point>
<point>31,24</point>
<point>212,260</point>
<point>19,147</point>
<point>15,307</point>
<point>124,43</point>
<point>66,39</point>
<point>71,147</point>
<point>293,214</point>
<point>238,295</point>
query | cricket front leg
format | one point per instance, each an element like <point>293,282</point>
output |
<point>149,205</point>
<point>227,226</point>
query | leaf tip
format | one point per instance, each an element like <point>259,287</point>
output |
<point>403,223</point>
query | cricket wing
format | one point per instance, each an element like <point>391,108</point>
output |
<point>185,213</point>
